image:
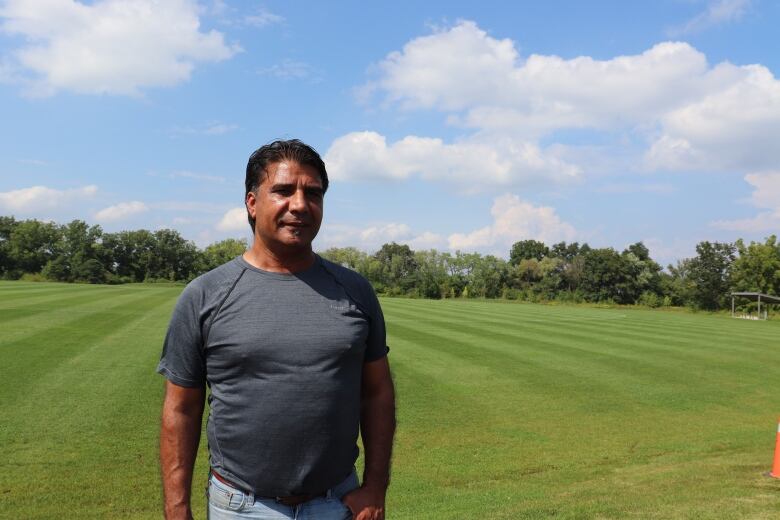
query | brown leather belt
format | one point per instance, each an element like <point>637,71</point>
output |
<point>291,500</point>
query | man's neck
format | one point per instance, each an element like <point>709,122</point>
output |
<point>288,262</point>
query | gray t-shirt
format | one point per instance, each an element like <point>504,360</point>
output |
<point>283,356</point>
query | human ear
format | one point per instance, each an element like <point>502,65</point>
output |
<point>250,201</point>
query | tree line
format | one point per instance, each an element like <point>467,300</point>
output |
<point>574,273</point>
<point>78,252</point>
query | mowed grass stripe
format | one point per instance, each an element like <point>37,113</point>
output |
<point>618,343</point>
<point>42,350</point>
<point>506,410</point>
<point>16,287</point>
<point>673,324</point>
<point>647,375</point>
<point>12,299</point>
<point>53,304</point>
<point>102,299</point>
<point>659,450</point>
<point>111,396</point>
<point>664,339</point>
<point>454,446</point>
<point>501,450</point>
<point>535,377</point>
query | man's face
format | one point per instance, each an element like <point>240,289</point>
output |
<point>287,207</point>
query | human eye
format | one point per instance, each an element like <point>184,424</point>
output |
<point>314,193</point>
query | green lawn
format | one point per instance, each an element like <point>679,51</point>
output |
<point>506,410</point>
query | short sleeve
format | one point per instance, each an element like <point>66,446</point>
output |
<point>182,361</point>
<point>376,347</point>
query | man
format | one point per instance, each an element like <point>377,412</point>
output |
<point>292,348</point>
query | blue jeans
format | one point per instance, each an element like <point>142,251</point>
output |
<point>229,503</point>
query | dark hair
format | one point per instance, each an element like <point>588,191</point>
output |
<point>278,151</point>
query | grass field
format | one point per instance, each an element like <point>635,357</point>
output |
<point>506,410</point>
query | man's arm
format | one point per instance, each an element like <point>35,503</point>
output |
<point>377,426</point>
<point>179,437</point>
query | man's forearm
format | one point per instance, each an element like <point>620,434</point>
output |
<point>377,424</point>
<point>179,439</point>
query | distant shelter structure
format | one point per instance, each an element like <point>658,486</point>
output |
<point>766,299</point>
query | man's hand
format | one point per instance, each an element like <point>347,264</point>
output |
<point>366,503</point>
<point>179,438</point>
<point>377,426</point>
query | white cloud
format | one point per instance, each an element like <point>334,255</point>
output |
<point>121,211</point>
<point>767,189</point>
<point>465,69</point>
<point>689,114</point>
<point>766,196</point>
<point>716,13</point>
<point>219,129</point>
<point>734,128</point>
<point>513,220</point>
<point>263,18</point>
<point>448,69</point>
<point>427,240</point>
<point>109,46</point>
<point>388,232</point>
<point>666,251</point>
<point>288,69</point>
<point>372,237</point>
<point>766,221</point>
<point>37,199</point>
<point>234,220</point>
<point>471,164</point>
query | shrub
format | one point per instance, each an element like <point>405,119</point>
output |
<point>33,277</point>
<point>650,299</point>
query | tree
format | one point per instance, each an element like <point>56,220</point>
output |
<point>527,249</point>
<point>32,245</point>
<point>568,252</point>
<point>676,286</point>
<point>7,225</point>
<point>461,268</point>
<point>757,269</point>
<point>221,252</point>
<point>488,277</point>
<point>709,272</point>
<point>432,274</point>
<point>173,258</point>
<point>90,270</point>
<point>347,257</point>
<point>79,249</point>
<point>528,271</point>
<point>605,276</point>
<point>133,253</point>
<point>573,271</point>
<point>643,274</point>
<point>551,278</point>
<point>398,267</point>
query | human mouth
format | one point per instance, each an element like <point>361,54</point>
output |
<point>295,224</point>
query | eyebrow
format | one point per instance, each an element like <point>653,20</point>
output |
<point>283,185</point>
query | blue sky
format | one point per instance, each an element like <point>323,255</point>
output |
<point>452,125</point>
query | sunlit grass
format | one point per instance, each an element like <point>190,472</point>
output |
<point>505,410</point>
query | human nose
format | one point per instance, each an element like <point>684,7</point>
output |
<point>298,202</point>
